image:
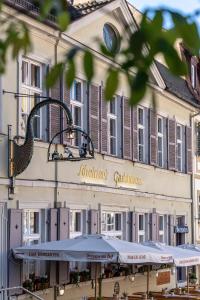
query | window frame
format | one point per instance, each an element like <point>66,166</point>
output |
<point>161,136</point>
<point>73,233</point>
<point>141,127</point>
<point>31,236</point>
<point>193,75</point>
<point>112,116</point>
<point>179,141</point>
<point>74,104</point>
<point>114,232</point>
<point>141,232</point>
<point>27,88</point>
<point>161,231</point>
<point>27,239</point>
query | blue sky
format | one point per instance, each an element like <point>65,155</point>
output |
<point>185,6</point>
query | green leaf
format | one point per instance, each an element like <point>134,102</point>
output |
<point>175,64</point>
<point>138,87</point>
<point>45,7</point>
<point>70,73</point>
<point>63,20</point>
<point>88,65</point>
<point>111,83</point>
<point>157,22</point>
<point>187,31</point>
<point>54,74</point>
<point>105,51</point>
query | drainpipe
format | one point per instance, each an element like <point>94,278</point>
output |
<point>56,168</point>
<point>192,184</point>
<point>1,106</point>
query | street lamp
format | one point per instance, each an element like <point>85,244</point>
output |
<point>20,155</point>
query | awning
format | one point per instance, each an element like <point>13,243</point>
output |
<point>181,257</point>
<point>94,248</point>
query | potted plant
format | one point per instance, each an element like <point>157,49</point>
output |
<point>150,295</point>
<point>124,295</point>
<point>192,278</point>
<point>28,284</point>
<point>172,291</point>
<point>44,282</point>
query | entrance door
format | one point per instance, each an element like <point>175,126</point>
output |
<point>180,239</point>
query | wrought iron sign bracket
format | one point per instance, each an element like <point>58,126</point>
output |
<point>19,156</point>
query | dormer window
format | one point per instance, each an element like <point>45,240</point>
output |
<point>193,76</point>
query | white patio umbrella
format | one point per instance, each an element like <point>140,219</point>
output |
<point>94,248</point>
<point>192,247</point>
<point>182,257</point>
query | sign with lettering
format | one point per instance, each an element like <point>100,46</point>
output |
<point>126,180</point>
<point>163,278</point>
<point>181,229</point>
<point>95,175</point>
<point>91,174</point>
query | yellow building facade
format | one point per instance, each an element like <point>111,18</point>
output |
<point>121,193</point>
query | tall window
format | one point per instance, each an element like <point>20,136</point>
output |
<point>31,85</point>
<point>31,235</point>
<point>141,138</point>
<point>193,76</point>
<point>141,229</point>
<point>179,146</point>
<point>75,223</point>
<point>112,126</point>
<point>76,102</point>
<point>111,223</point>
<point>160,141</point>
<point>161,229</point>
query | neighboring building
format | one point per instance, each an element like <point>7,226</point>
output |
<point>193,82</point>
<point>137,188</point>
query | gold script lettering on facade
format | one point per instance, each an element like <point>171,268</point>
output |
<point>126,179</point>
<point>92,173</point>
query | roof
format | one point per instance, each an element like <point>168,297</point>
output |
<point>176,85</point>
<point>86,8</point>
<point>75,11</point>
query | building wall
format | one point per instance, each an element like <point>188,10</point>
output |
<point>46,185</point>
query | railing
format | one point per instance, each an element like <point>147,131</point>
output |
<point>3,292</point>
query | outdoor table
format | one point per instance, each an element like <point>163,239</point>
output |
<point>169,296</point>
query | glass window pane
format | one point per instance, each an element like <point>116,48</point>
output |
<point>34,222</point>
<point>24,72</point>
<point>118,225</point>
<point>161,223</point>
<point>141,136</point>
<point>141,153</point>
<point>160,129</point>
<point>112,127</point>
<point>26,222</point>
<point>113,146</point>
<point>160,161</point>
<point>71,221</point>
<point>78,91</point>
<point>35,76</point>
<point>36,120</point>
<point>160,143</point>
<point>77,116</point>
<point>178,132</point>
<point>78,221</point>
<point>140,116</point>
<point>141,222</point>
<point>141,238</point>
<point>113,106</point>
